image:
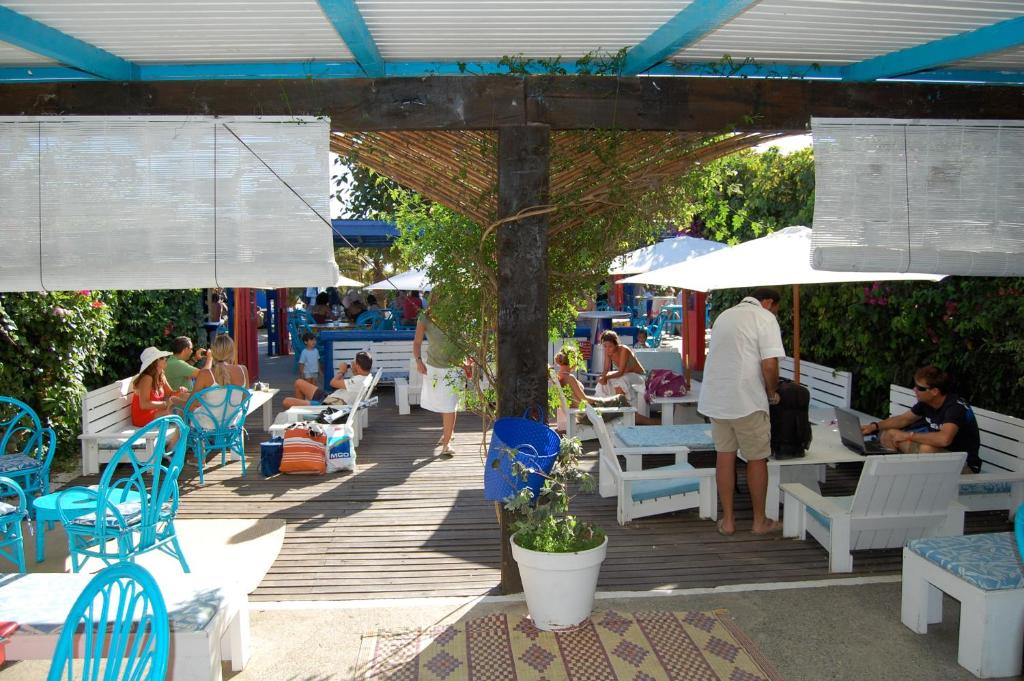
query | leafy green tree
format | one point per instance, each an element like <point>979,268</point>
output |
<point>50,345</point>
<point>144,318</point>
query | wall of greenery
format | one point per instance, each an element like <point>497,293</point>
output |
<point>972,327</point>
<point>55,346</point>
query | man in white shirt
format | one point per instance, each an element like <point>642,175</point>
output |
<point>741,375</point>
<point>346,389</point>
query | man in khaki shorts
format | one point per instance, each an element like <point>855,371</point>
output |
<point>740,379</point>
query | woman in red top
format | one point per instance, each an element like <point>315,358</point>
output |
<point>152,395</point>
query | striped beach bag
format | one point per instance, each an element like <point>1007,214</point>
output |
<point>305,448</point>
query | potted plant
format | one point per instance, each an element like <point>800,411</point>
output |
<point>559,555</point>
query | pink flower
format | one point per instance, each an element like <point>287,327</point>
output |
<point>59,312</point>
<point>85,292</point>
<point>97,304</point>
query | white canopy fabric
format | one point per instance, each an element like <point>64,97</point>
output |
<point>781,258</point>
<point>919,196</point>
<point>663,254</point>
<point>345,282</point>
<point>162,202</point>
<point>411,280</point>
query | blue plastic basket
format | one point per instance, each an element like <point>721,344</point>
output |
<point>536,446</point>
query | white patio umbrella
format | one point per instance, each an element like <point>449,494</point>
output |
<point>781,258</point>
<point>345,282</point>
<point>663,254</point>
<point>411,280</point>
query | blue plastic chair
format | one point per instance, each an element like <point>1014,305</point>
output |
<point>12,544</point>
<point>216,421</point>
<point>135,511</point>
<point>119,626</point>
<point>1018,529</point>
<point>371,319</point>
<point>26,447</point>
<point>654,330</point>
<point>300,322</point>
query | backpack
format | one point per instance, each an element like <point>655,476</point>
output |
<point>791,428</point>
<point>665,383</point>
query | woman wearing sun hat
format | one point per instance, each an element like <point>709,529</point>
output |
<point>152,395</point>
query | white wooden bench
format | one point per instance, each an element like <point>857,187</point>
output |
<point>107,421</point>
<point>828,387</point>
<point>662,358</point>
<point>408,387</point>
<point>1000,485</point>
<point>983,572</point>
<point>391,357</point>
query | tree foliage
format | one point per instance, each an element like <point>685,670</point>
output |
<point>879,331</point>
<point>49,345</point>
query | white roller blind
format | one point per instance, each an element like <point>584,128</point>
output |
<point>143,203</point>
<point>942,197</point>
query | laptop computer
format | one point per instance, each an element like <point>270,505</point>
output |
<point>850,434</point>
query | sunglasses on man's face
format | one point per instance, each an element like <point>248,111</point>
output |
<point>921,388</point>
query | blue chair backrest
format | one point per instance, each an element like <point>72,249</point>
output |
<point>155,482</point>
<point>22,432</point>
<point>119,627</point>
<point>220,408</point>
<point>371,319</point>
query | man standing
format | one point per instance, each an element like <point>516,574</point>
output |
<point>940,421</point>
<point>741,375</point>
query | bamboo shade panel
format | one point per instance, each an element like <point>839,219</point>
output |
<point>596,171</point>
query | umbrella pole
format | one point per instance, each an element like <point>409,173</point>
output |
<point>682,332</point>
<point>796,333</point>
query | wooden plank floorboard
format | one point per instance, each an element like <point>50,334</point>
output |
<point>409,524</point>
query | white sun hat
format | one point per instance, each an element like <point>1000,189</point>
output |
<point>150,355</point>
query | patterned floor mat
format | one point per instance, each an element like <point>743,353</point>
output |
<point>641,646</point>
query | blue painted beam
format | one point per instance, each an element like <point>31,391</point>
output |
<point>331,70</point>
<point>994,38</point>
<point>698,19</point>
<point>31,35</point>
<point>349,24</point>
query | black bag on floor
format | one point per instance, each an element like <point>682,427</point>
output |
<point>791,428</point>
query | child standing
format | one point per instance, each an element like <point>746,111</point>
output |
<point>309,360</point>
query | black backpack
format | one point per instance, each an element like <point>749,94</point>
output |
<point>791,428</point>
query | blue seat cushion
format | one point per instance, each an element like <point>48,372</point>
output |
<point>12,463</point>
<point>985,488</point>
<point>844,502</point>
<point>645,490</point>
<point>988,561</point>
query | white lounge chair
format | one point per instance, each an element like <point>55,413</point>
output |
<point>898,498</point>
<point>584,431</point>
<point>658,490</point>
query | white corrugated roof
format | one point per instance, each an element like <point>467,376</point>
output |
<point>429,33</point>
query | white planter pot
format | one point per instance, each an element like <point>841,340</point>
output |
<point>559,587</point>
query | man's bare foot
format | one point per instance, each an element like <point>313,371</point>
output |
<point>769,527</point>
<point>721,528</point>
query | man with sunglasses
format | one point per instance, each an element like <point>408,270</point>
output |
<point>941,421</point>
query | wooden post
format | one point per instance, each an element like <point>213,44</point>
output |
<point>684,309</point>
<point>523,180</point>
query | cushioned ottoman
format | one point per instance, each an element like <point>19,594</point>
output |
<point>982,571</point>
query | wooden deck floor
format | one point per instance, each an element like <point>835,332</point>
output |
<point>411,525</point>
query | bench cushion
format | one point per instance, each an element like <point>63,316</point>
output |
<point>645,490</point>
<point>845,502</point>
<point>697,436</point>
<point>990,562</point>
<point>12,463</point>
<point>131,511</point>
<point>985,488</point>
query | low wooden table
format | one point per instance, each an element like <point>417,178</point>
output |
<point>209,617</point>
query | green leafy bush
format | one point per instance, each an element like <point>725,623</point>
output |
<point>49,344</point>
<point>144,318</point>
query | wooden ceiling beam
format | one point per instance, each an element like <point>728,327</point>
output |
<point>705,105</point>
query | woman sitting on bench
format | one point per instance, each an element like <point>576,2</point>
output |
<point>622,369</point>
